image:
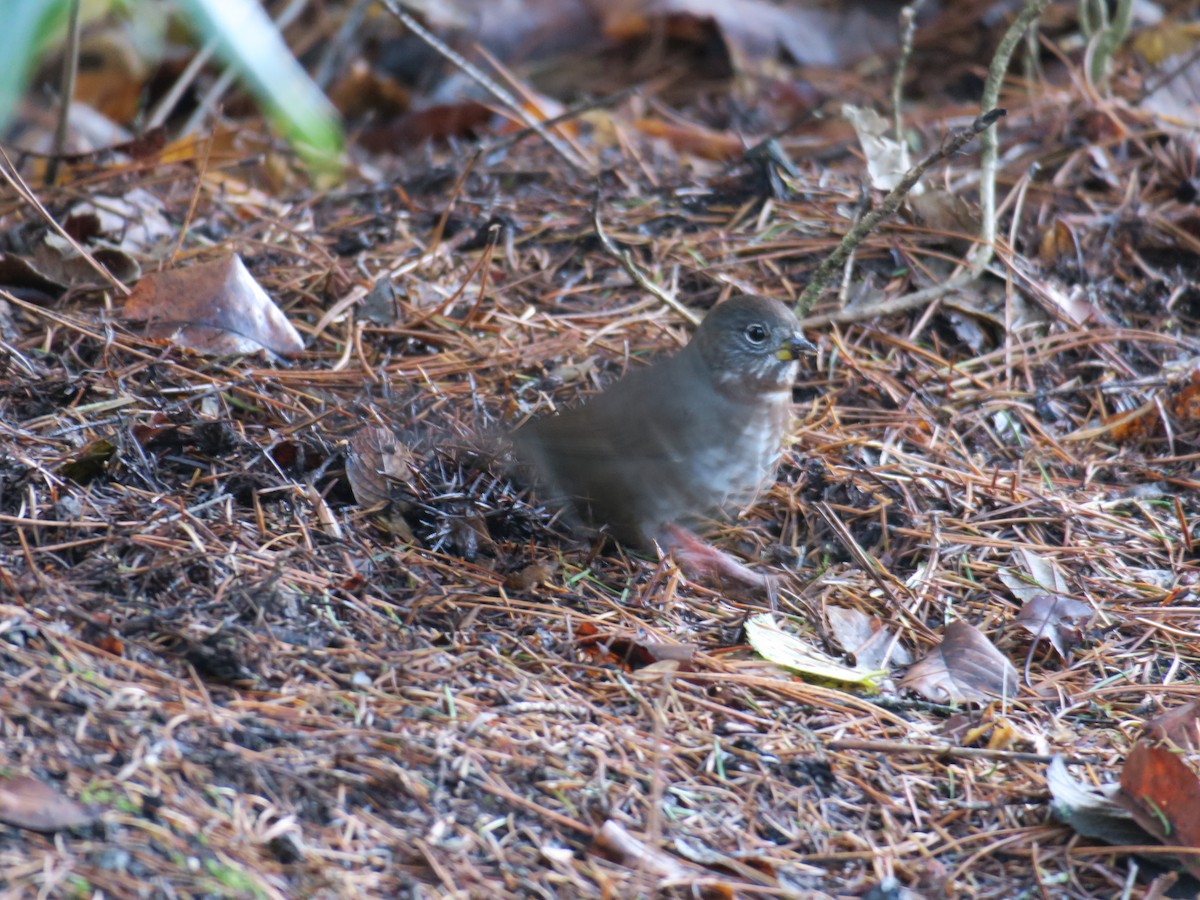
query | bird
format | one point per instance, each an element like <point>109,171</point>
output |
<point>675,445</point>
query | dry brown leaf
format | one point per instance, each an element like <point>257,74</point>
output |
<point>1159,786</point>
<point>215,308</point>
<point>865,638</point>
<point>1046,609</point>
<point>964,668</point>
<point>944,211</point>
<point>1055,618</point>
<point>379,468</point>
<point>27,802</point>
<point>23,272</point>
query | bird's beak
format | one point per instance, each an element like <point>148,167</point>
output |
<point>794,348</point>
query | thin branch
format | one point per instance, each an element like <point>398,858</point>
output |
<point>981,256</point>
<point>66,93</point>
<point>626,261</point>
<point>908,30</point>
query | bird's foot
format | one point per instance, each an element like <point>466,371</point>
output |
<point>701,560</point>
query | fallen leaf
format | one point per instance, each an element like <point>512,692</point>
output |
<point>1092,810</point>
<point>945,211</point>
<point>887,158</point>
<point>215,308</point>
<point>379,468</point>
<point>1046,609</point>
<point>866,639</point>
<point>1159,786</point>
<point>774,644</point>
<point>964,668</point>
<point>1056,619</point>
<point>1042,576</point>
<point>27,802</point>
<point>133,223</point>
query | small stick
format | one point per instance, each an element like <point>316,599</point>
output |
<point>626,261</point>
<point>67,92</point>
<point>908,30</point>
<point>981,256</point>
<point>950,751</point>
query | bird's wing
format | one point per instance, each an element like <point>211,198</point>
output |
<point>622,456</point>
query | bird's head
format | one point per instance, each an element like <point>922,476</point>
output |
<point>753,341</point>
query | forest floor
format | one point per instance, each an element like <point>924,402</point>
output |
<point>231,678</point>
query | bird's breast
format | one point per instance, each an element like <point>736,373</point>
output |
<point>744,447</point>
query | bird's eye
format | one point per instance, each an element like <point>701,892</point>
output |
<point>756,334</point>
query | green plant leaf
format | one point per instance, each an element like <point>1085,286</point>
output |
<point>249,41</point>
<point>28,27</point>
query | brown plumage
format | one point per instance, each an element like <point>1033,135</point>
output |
<point>682,440</point>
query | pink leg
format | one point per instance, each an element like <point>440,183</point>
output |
<point>701,560</point>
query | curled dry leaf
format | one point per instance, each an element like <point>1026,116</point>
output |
<point>864,637</point>
<point>26,802</point>
<point>887,159</point>
<point>134,223</point>
<point>1046,611</point>
<point>774,644</point>
<point>378,467</point>
<point>1159,786</point>
<point>964,668</point>
<point>215,308</point>
<point>1092,810</point>
<point>1056,619</point>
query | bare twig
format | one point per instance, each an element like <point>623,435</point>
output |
<point>908,30</point>
<point>626,261</point>
<point>981,256</point>
<point>66,93</point>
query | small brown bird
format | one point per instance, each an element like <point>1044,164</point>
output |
<point>680,441</point>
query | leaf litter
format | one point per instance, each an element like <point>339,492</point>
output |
<point>270,622</point>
